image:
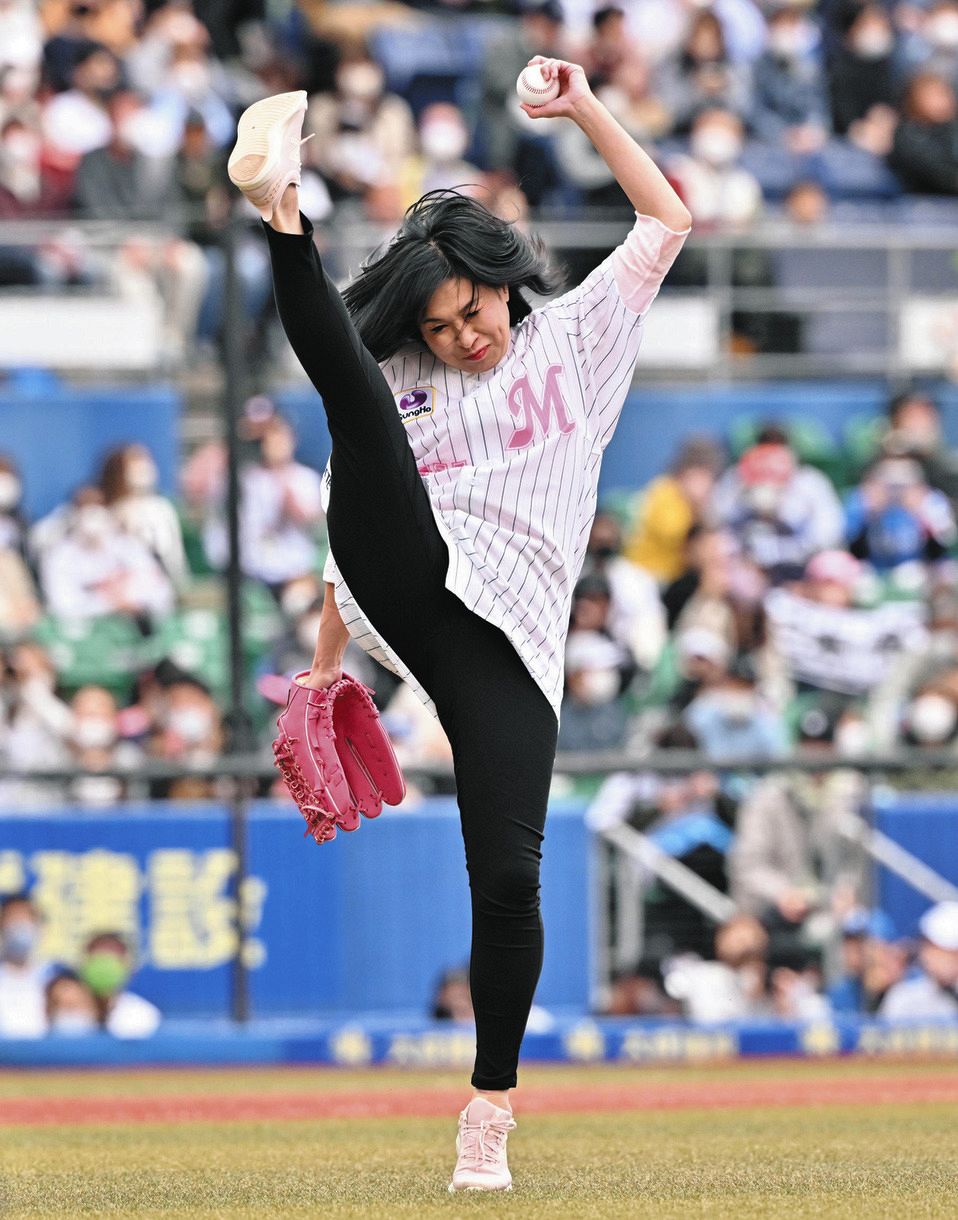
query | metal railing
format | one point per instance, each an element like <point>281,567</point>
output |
<point>894,278</point>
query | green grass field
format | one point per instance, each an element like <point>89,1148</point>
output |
<point>839,1160</point>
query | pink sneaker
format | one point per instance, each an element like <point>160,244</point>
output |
<point>265,159</point>
<point>481,1145</point>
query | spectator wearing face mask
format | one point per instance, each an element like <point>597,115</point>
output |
<point>916,699</point>
<point>95,745</point>
<point>363,133</point>
<point>672,505</point>
<point>97,569</point>
<point>71,1008</point>
<point>129,481</point>
<point>915,431</point>
<point>780,512</point>
<point>931,993</point>
<point>715,188</point>
<point>790,105</point>
<point>28,191</point>
<point>598,671</point>
<point>106,967</point>
<point>731,721</point>
<point>22,974</point>
<point>701,76</point>
<point>441,163</point>
<point>924,154</point>
<point>894,518</point>
<point>636,617</point>
<point>862,85</point>
<point>188,731</point>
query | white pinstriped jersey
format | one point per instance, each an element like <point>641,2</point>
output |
<point>510,457</point>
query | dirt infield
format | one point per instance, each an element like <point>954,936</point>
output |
<point>632,1093</point>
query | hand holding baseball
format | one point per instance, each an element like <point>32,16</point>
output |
<point>551,88</point>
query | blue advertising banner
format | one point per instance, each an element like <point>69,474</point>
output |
<point>367,923</point>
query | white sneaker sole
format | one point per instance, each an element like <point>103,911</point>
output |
<point>479,1190</point>
<point>259,150</point>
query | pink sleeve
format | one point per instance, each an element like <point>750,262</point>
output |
<point>640,264</point>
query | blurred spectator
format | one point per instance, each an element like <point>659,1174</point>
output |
<point>671,505</point>
<point>21,35</point>
<point>452,1000</point>
<point>129,480</point>
<point>780,511</point>
<point>789,858</point>
<point>510,140</point>
<point>924,154</point>
<point>97,569</point>
<point>77,121</point>
<point>115,180</point>
<point>716,189</point>
<point>19,608</point>
<point>188,731</point>
<point>363,134</point>
<point>861,79</point>
<point>916,698</point>
<point>12,520</point>
<point>96,745</point>
<point>829,642</point>
<point>932,992</point>
<point>796,989</point>
<point>630,96</point>
<point>932,42</point>
<point>789,83</point>
<point>701,76</point>
<point>636,617</point>
<point>915,431</point>
<point>36,722</point>
<point>734,986</point>
<point>807,204</point>
<point>610,47</point>
<point>598,671</point>
<point>731,721</point>
<point>894,518</point>
<point>27,189</point>
<point>441,165</point>
<point>22,974</point>
<point>872,961</point>
<point>106,967</point>
<point>281,508</point>
<point>71,1008</point>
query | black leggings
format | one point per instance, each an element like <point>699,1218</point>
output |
<point>501,726</point>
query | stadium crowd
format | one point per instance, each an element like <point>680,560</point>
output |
<point>122,110</point>
<point>761,595</point>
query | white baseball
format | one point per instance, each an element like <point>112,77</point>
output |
<point>533,88</point>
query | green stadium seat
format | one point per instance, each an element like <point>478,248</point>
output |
<point>108,651</point>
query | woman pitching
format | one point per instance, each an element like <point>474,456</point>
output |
<point>467,435</point>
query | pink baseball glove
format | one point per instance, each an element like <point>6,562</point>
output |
<point>333,753</point>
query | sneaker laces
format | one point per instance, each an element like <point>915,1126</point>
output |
<point>484,1142</point>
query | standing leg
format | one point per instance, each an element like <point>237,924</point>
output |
<point>503,734</point>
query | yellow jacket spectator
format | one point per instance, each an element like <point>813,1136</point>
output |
<point>672,504</point>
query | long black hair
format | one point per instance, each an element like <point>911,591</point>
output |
<point>443,236</point>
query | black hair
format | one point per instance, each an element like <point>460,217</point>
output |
<point>903,397</point>
<point>443,236</point>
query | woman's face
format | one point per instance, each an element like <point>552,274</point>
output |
<point>466,325</point>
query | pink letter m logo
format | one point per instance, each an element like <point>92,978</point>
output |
<point>526,408</point>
